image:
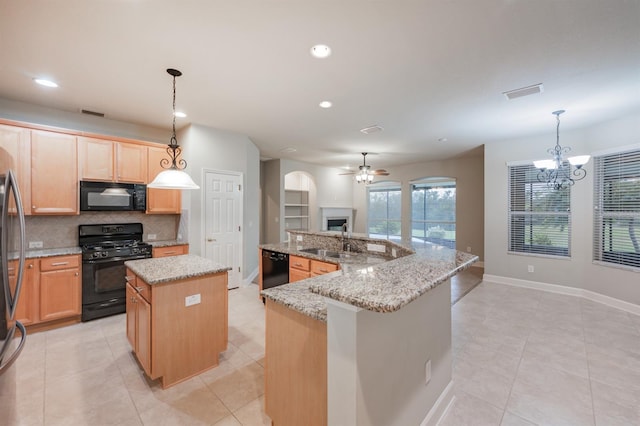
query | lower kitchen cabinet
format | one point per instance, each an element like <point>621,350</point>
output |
<point>170,250</point>
<point>301,268</point>
<point>60,287</point>
<point>27,309</point>
<point>51,289</point>
<point>139,321</point>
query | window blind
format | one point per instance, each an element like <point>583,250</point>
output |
<point>616,240</point>
<point>539,216</point>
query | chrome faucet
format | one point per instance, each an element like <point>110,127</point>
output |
<point>346,245</point>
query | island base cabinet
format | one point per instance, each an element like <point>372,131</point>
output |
<point>180,329</point>
<point>295,367</point>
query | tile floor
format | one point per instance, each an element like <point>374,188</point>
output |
<point>521,357</point>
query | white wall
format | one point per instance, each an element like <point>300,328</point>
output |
<point>468,172</point>
<point>208,148</point>
<point>578,271</point>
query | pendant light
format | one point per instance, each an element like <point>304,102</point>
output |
<point>174,177</point>
<point>555,172</point>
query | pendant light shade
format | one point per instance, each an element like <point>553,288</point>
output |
<point>174,177</point>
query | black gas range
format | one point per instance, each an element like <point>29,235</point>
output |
<point>105,248</point>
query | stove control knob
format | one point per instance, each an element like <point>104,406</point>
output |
<point>104,254</point>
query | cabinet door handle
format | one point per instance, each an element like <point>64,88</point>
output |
<point>76,274</point>
<point>170,252</point>
<point>59,263</point>
<point>323,270</point>
<point>12,270</point>
<point>139,289</point>
<point>211,240</point>
<point>30,266</point>
<point>128,279</point>
<point>297,264</point>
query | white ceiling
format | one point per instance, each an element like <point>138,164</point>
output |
<point>422,70</point>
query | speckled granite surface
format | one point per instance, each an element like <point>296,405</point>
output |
<point>166,243</point>
<point>173,268</point>
<point>34,254</point>
<point>384,286</point>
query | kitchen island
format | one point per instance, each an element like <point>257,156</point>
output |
<point>369,344</point>
<point>177,315</point>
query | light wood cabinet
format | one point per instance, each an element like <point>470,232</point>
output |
<point>14,154</point>
<point>302,267</point>
<point>320,268</point>
<point>139,322</point>
<point>27,310</point>
<point>54,177</point>
<point>170,250</point>
<point>161,201</point>
<point>60,287</point>
<point>173,341</point>
<point>105,160</point>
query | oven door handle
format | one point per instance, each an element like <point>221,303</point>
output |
<point>115,259</point>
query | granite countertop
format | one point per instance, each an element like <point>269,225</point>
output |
<point>166,243</point>
<point>383,285</point>
<point>173,268</point>
<point>34,254</point>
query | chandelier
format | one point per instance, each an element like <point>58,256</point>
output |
<point>556,172</point>
<point>174,177</point>
<point>365,174</point>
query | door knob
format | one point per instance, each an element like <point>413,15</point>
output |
<point>211,240</point>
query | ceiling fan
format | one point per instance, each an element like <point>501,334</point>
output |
<point>364,173</point>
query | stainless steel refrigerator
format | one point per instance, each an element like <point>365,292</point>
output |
<point>12,255</point>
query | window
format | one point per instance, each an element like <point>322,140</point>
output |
<point>617,209</point>
<point>539,216</point>
<point>384,212</point>
<point>433,212</point>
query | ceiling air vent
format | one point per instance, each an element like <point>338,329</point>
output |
<point>524,91</point>
<point>372,129</point>
<point>94,113</point>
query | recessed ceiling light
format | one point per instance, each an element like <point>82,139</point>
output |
<point>180,114</point>
<point>326,104</point>
<point>442,139</point>
<point>46,83</point>
<point>320,51</point>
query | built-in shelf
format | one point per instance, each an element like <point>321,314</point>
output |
<point>296,209</point>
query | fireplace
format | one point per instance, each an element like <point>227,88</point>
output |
<point>334,217</point>
<point>335,223</point>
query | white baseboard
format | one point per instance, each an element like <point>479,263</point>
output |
<point>441,407</point>
<point>250,278</point>
<point>632,308</point>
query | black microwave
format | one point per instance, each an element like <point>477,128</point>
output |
<point>112,196</point>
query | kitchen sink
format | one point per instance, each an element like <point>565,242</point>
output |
<point>325,253</point>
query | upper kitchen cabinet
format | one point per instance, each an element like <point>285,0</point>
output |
<point>54,177</point>
<point>161,201</point>
<point>15,142</point>
<point>105,160</point>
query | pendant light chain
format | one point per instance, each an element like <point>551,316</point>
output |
<point>173,149</point>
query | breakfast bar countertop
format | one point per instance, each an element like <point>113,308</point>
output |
<point>370,282</point>
<point>173,268</point>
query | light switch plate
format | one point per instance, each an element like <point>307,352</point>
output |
<point>376,247</point>
<point>35,244</point>
<point>194,299</point>
<point>152,236</point>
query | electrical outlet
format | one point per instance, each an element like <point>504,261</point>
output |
<point>298,237</point>
<point>152,236</point>
<point>192,300</point>
<point>468,249</point>
<point>530,268</point>
<point>376,247</point>
<point>393,252</point>
<point>35,244</point>
<point>427,372</point>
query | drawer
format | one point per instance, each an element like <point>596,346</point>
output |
<point>140,286</point>
<point>59,262</point>
<point>320,268</point>
<point>298,262</point>
<point>170,251</point>
<point>297,275</point>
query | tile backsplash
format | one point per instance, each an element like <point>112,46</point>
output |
<point>62,231</point>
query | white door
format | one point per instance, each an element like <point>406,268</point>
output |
<point>223,222</point>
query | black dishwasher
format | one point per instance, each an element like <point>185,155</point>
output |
<point>275,269</point>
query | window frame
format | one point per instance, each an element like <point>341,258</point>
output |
<point>622,165</point>
<point>384,187</point>
<point>425,185</point>
<point>519,220</point>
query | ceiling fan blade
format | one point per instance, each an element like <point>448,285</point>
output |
<point>380,172</point>
<point>347,173</point>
